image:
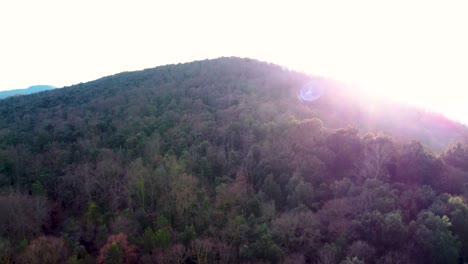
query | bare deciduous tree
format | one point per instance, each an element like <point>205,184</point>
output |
<point>377,153</point>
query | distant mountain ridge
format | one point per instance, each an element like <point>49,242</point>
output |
<point>29,90</point>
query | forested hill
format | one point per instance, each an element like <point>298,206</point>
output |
<point>218,161</point>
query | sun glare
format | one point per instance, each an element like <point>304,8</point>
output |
<point>414,52</point>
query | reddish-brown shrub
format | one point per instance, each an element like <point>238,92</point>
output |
<point>128,252</point>
<point>45,249</point>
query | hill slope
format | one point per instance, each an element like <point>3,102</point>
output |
<point>218,161</point>
<point>29,90</point>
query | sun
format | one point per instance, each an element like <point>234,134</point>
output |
<point>411,81</point>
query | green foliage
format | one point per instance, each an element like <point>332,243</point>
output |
<point>394,230</point>
<point>73,260</point>
<point>140,186</point>
<point>162,238</point>
<point>418,165</point>
<point>434,238</point>
<point>265,248</point>
<point>272,190</point>
<point>93,216</point>
<point>148,240</point>
<point>300,193</point>
<point>80,256</point>
<point>187,235</point>
<point>163,222</point>
<point>101,235</point>
<point>262,248</point>
<point>23,244</point>
<point>159,239</point>
<point>457,156</point>
<point>114,255</point>
<point>369,226</point>
<point>459,220</point>
<point>37,188</point>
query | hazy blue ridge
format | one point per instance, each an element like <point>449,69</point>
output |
<point>29,90</point>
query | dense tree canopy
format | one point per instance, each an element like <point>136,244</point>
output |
<point>219,162</point>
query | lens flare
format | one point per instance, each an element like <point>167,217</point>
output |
<point>310,92</point>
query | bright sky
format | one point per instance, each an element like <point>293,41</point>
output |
<point>414,51</point>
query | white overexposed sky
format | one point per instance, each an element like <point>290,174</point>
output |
<point>413,51</point>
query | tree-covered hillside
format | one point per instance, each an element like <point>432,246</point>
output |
<point>218,161</point>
